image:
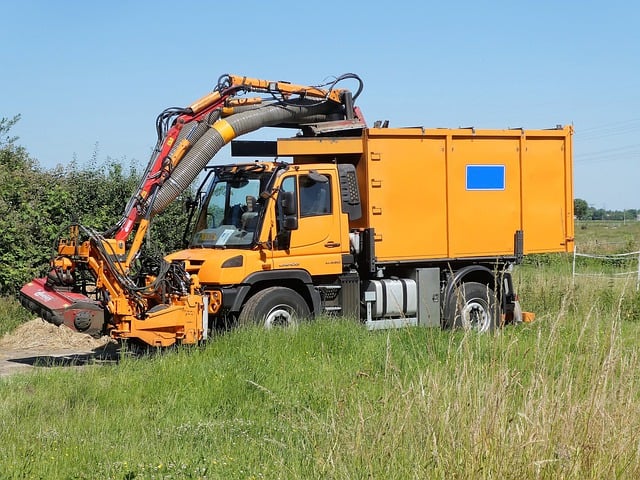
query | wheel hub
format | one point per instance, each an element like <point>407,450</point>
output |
<point>279,316</point>
<point>475,316</point>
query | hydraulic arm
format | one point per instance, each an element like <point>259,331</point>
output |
<point>90,286</point>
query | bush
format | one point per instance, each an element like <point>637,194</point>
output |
<point>38,205</point>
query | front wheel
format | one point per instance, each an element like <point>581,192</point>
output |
<point>474,307</point>
<point>274,307</point>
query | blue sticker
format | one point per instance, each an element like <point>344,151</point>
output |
<point>485,177</point>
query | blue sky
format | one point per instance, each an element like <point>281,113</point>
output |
<point>83,74</point>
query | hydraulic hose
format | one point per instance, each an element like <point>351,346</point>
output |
<point>223,131</point>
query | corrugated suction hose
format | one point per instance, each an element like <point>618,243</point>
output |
<point>241,123</point>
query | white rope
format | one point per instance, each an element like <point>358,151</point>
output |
<point>613,256</point>
<point>606,275</point>
<point>606,257</point>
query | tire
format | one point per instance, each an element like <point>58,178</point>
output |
<point>274,307</point>
<point>474,307</point>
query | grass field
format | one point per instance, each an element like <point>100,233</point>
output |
<point>608,235</point>
<point>558,398</point>
<point>11,315</point>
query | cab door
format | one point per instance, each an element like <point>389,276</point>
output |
<point>316,243</point>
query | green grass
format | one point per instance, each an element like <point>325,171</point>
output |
<point>558,398</point>
<point>12,314</point>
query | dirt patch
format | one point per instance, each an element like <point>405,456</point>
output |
<point>39,343</point>
<point>38,334</point>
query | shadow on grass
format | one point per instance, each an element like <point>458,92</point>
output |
<point>107,354</point>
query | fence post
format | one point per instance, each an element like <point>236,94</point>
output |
<point>573,268</point>
<point>638,276</point>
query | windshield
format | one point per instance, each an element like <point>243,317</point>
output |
<point>231,209</point>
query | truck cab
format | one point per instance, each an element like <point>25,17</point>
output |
<point>268,225</point>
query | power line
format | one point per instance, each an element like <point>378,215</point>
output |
<point>612,128</point>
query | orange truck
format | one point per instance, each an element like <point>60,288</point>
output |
<point>390,226</point>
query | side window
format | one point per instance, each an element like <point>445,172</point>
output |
<point>288,185</point>
<point>315,197</point>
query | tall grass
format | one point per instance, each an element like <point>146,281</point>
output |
<point>558,398</point>
<point>11,314</point>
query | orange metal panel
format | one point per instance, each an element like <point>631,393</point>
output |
<point>483,221</point>
<point>424,193</point>
<point>406,196</point>
<point>547,197</point>
<point>290,147</point>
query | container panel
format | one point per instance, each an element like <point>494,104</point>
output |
<point>483,195</point>
<point>547,222</point>
<point>406,202</point>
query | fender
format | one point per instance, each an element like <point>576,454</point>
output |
<point>457,279</point>
<point>275,277</point>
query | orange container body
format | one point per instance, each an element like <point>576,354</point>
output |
<point>462,193</point>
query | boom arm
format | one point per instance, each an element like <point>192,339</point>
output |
<point>172,147</point>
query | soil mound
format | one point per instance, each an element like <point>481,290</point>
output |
<point>40,335</point>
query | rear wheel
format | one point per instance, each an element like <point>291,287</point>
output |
<point>474,307</point>
<point>274,307</point>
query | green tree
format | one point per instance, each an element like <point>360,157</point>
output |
<point>599,214</point>
<point>29,200</point>
<point>37,206</point>
<point>99,192</point>
<point>580,208</point>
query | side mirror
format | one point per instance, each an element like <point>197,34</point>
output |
<point>238,182</point>
<point>288,203</point>
<point>316,177</point>
<point>289,210</point>
<point>290,222</point>
<point>189,203</point>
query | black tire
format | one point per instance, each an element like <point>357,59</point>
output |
<point>474,308</point>
<point>274,307</point>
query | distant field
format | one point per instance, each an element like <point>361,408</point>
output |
<point>608,234</point>
<point>558,398</point>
